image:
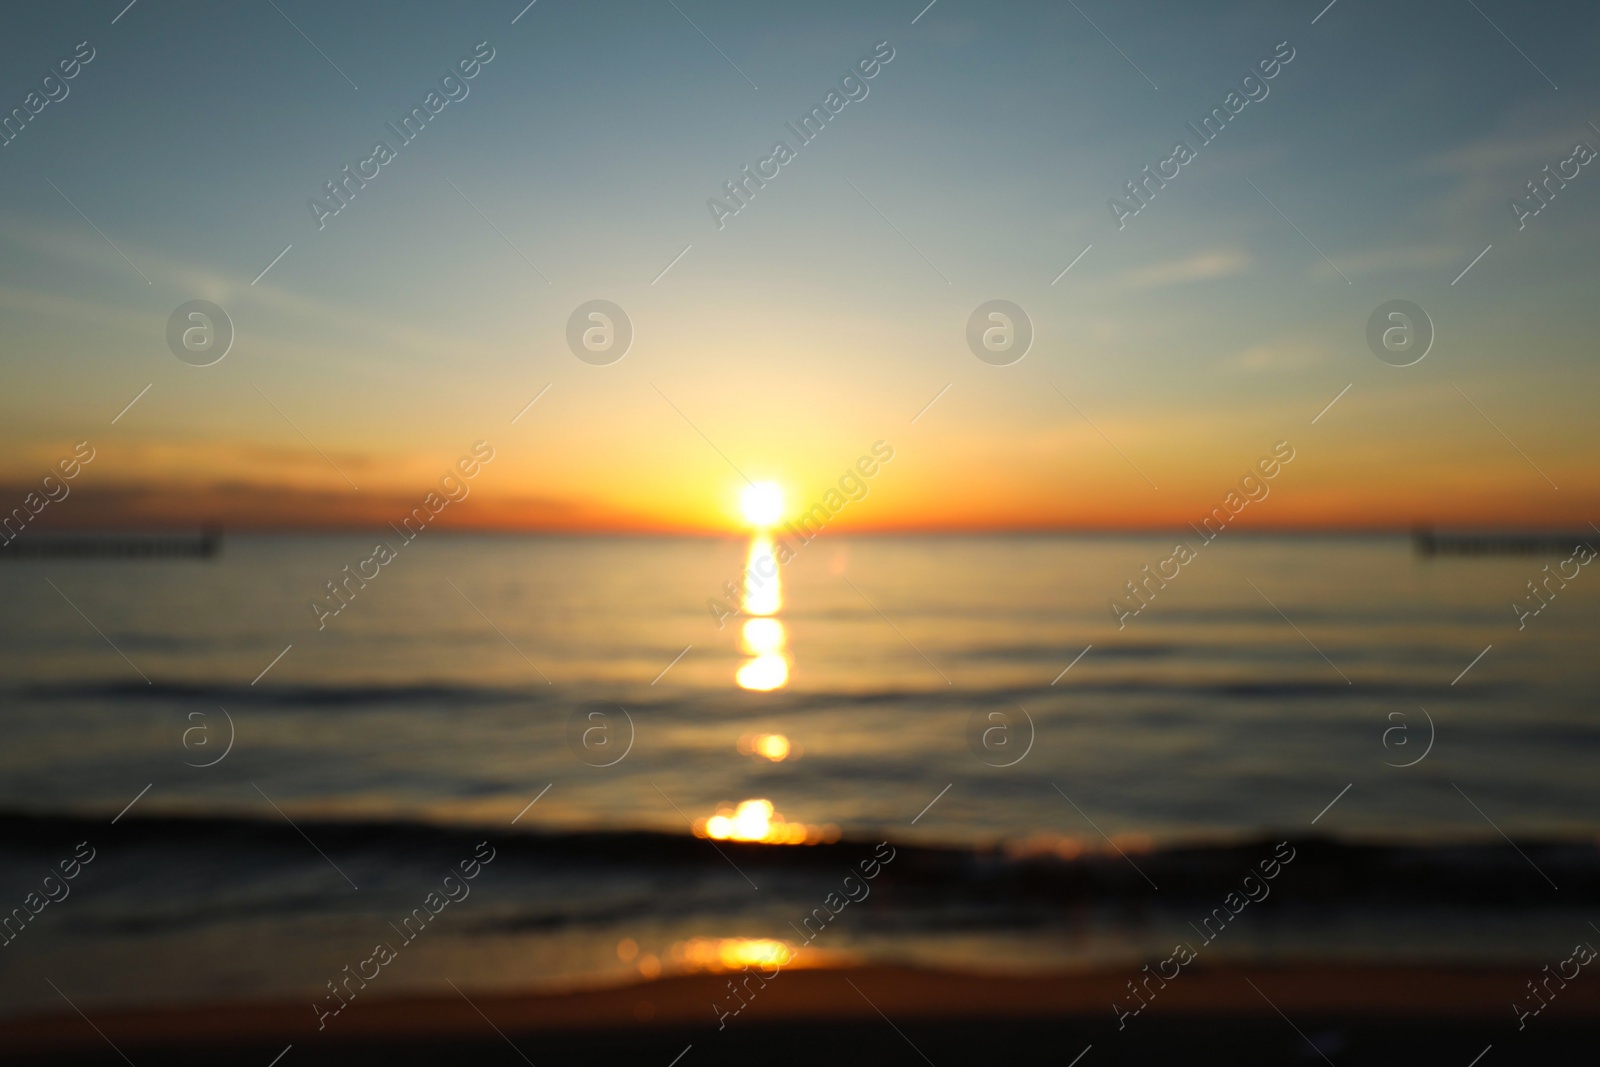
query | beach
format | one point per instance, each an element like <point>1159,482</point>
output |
<point>952,1018</point>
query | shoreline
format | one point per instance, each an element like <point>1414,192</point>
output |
<point>828,995</point>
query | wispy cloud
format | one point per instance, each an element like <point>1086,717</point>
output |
<point>1279,355</point>
<point>1202,266</point>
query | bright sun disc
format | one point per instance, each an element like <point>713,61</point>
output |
<point>761,503</point>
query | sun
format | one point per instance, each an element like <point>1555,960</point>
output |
<point>761,503</point>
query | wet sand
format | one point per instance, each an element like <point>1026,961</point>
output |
<point>943,1017</point>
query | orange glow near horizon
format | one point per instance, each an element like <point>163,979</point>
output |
<point>911,495</point>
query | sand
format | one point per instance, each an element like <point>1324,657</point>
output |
<point>875,994</point>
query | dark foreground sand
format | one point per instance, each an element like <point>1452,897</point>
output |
<point>877,1015</point>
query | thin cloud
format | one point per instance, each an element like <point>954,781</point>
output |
<point>1203,266</point>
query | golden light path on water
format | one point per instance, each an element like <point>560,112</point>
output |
<point>765,640</point>
<point>763,637</point>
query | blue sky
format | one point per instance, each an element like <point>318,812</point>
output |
<point>831,309</point>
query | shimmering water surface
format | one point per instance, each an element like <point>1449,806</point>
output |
<point>476,671</point>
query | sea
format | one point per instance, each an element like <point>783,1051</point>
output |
<point>269,790</point>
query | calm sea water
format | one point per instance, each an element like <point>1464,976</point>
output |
<point>465,679</point>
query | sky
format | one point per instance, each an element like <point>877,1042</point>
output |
<point>1178,349</point>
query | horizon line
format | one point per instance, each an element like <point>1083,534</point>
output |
<point>1152,529</point>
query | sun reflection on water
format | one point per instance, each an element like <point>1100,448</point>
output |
<point>764,673</point>
<point>774,747</point>
<point>762,637</point>
<point>730,953</point>
<point>757,821</point>
<point>764,592</point>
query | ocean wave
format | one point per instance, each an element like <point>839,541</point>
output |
<point>366,694</point>
<point>1031,872</point>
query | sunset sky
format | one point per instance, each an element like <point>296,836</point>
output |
<point>829,312</point>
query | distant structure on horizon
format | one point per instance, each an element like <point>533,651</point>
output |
<point>1429,543</point>
<point>117,546</point>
